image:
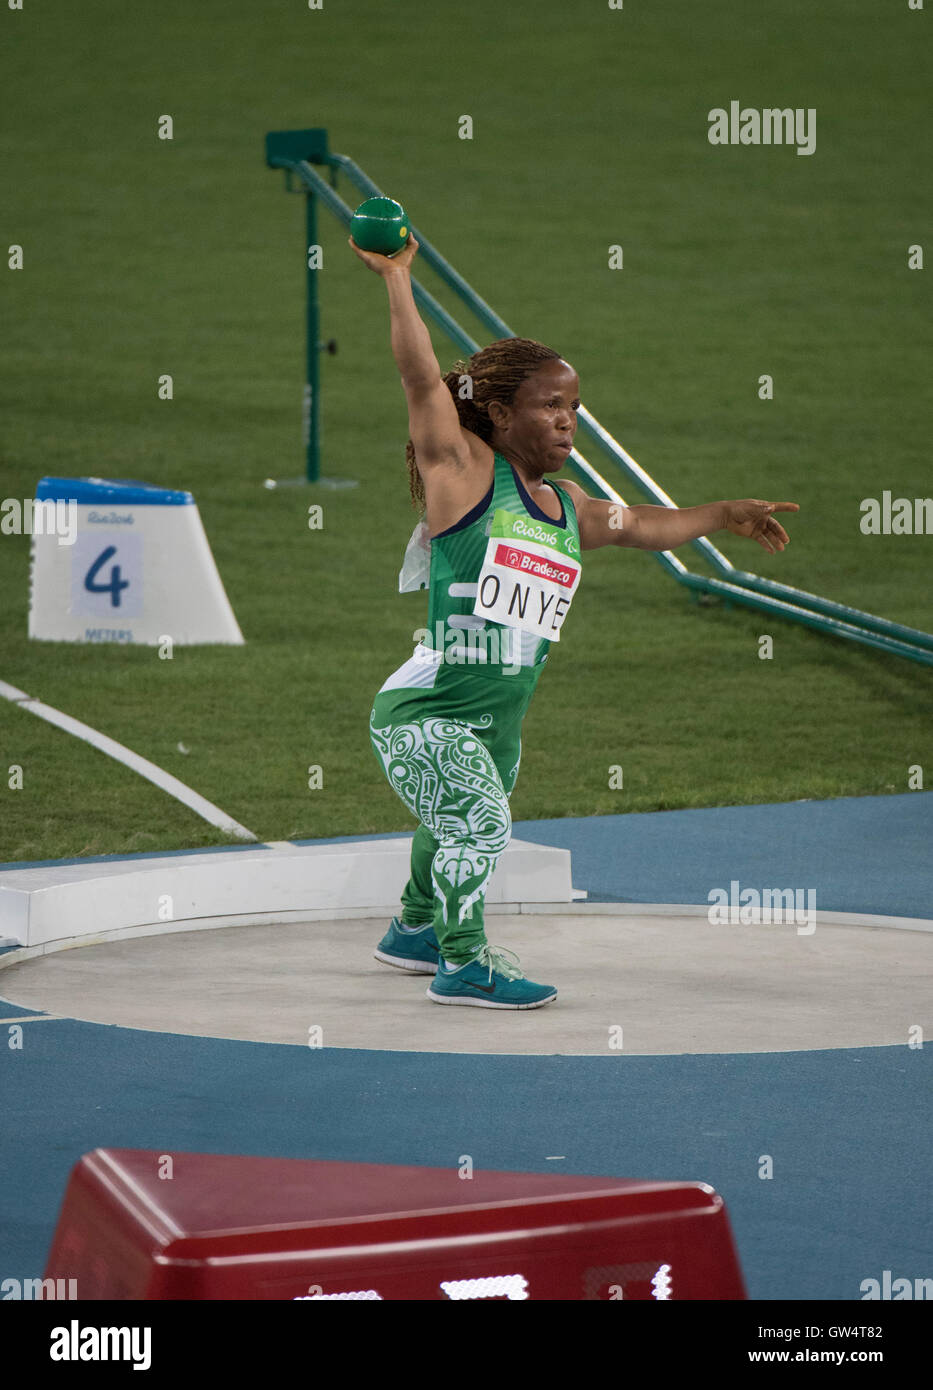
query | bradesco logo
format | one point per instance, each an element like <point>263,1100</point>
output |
<point>528,563</point>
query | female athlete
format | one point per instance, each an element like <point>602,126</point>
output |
<point>504,545</point>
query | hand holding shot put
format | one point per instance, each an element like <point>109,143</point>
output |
<point>387,265</point>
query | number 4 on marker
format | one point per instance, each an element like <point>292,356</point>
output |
<point>116,583</point>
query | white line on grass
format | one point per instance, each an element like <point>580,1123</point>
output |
<point>163,780</point>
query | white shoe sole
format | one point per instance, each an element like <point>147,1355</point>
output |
<point>414,967</point>
<point>485,1003</point>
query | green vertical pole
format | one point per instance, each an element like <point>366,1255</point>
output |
<point>311,414</point>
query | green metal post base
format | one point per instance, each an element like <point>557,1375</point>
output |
<point>331,483</point>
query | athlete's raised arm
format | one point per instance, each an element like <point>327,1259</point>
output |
<point>434,425</point>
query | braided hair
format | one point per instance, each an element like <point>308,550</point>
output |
<point>496,372</point>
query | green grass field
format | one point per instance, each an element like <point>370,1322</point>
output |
<point>145,257</point>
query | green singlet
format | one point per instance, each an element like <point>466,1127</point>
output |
<point>446,726</point>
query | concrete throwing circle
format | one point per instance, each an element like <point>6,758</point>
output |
<point>636,984</point>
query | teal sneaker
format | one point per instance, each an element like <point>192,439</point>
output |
<point>488,981</point>
<point>410,948</point>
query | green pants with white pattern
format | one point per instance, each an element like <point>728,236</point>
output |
<point>452,755</point>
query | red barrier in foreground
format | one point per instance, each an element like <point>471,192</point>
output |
<point>136,1224</point>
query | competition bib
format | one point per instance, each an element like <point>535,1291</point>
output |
<point>530,571</point>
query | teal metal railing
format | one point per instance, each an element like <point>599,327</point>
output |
<point>297,152</point>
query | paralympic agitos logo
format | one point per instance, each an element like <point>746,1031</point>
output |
<point>534,531</point>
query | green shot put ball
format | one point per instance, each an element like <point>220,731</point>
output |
<point>380,225</point>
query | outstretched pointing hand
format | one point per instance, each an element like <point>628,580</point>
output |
<point>754,519</point>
